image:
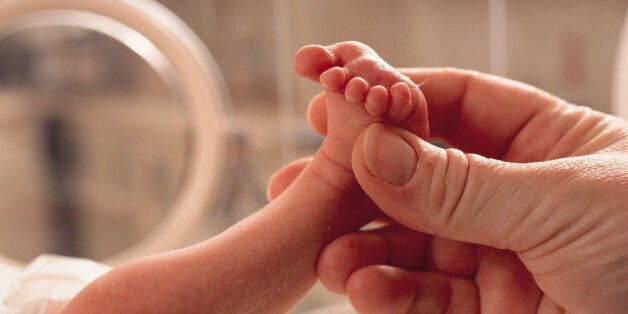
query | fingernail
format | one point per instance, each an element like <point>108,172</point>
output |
<point>388,156</point>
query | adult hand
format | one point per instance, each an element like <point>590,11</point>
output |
<point>529,215</point>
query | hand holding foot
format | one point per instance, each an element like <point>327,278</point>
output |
<point>540,227</point>
<point>361,89</point>
<point>266,262</point>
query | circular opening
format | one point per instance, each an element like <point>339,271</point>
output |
<point>185,69</point>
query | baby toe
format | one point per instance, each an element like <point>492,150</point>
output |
<point>356,90</point>
<point>312,60</point>
<point>376,101</point>
<point>401,101</point>
<point>334,79</point>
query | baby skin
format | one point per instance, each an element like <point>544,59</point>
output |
<point>267,262</point>
<point>360,89</point>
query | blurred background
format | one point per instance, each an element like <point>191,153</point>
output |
<point>93,142</point>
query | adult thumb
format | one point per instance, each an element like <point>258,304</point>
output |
<point>459,196</point>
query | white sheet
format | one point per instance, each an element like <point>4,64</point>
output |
<point>46,284</point>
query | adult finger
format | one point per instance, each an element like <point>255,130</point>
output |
<point>465,197</point>
<point>388,289</point>
<point>491,116</point>
<point>282,178</point>
<point>393,245</point>
<point>502,285</point>
<point>502,279</point>
<point>317,113</point>
<point>499,118</point>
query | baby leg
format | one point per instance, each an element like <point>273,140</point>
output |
<point>266,262</point>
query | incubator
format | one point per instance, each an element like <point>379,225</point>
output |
<point>110,110</point>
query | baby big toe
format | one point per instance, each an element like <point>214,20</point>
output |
<point>310,61</point>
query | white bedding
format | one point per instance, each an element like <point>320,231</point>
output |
<point>46,284</point>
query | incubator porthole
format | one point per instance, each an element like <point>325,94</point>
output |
<point>112,127</point>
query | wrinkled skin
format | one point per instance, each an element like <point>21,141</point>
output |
<point>527,212</point>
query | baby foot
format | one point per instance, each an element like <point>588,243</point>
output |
<point>361,88</point>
